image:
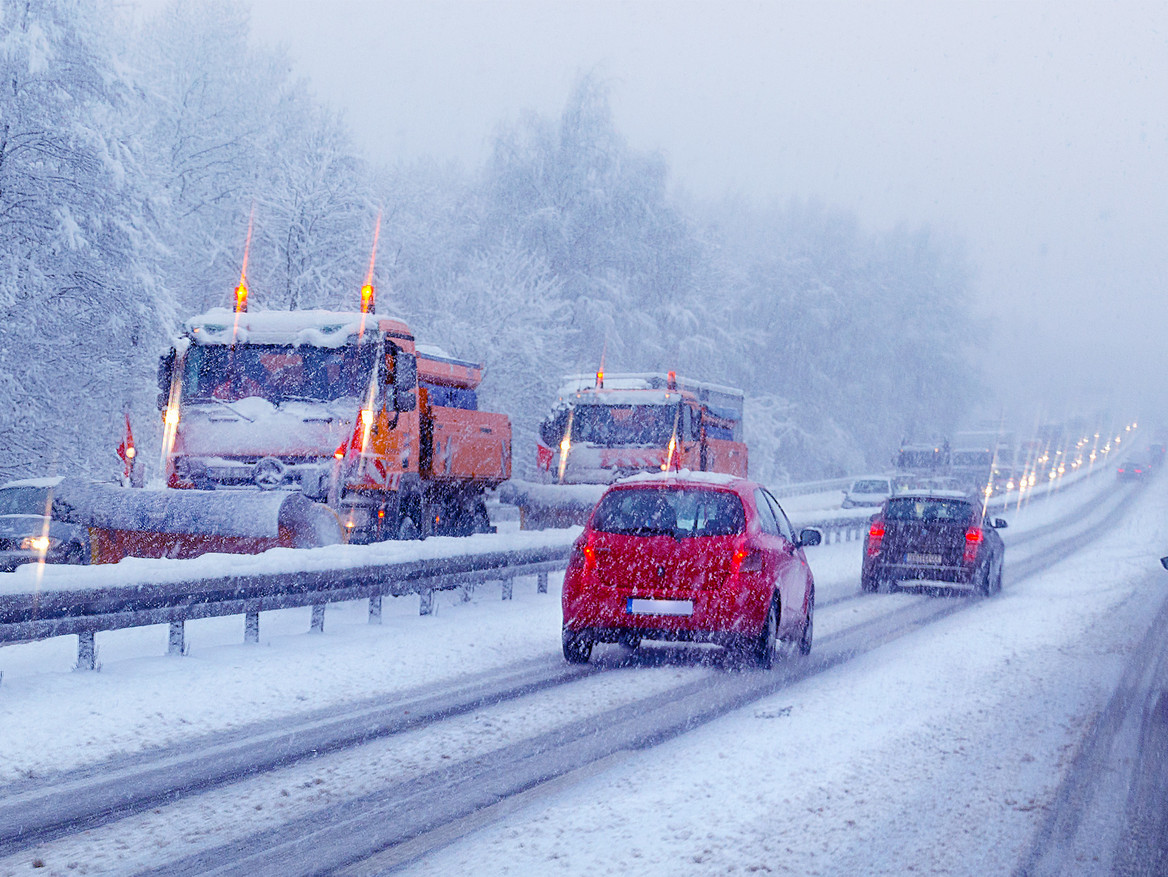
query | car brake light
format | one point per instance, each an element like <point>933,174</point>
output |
<point>582,557</point>
<point>875,537</point>
<point>973,540</point>
<point>747,560</point>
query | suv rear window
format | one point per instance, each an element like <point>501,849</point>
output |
<point>927,509</point>
<point>680,513</point>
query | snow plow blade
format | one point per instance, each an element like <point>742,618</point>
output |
<point>127,522</point>
<point>544,506</point>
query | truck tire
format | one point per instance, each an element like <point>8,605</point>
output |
<point>482,521</point>
<point>407,530</point>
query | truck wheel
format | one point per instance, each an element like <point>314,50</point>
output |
<point>482,521</point>
<point>407,530</point>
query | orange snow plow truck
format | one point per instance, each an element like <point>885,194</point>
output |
<point>343,408</point>
<point>300,429</point>
<point>607,427</point>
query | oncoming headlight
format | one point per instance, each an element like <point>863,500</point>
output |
<point>38,543</point>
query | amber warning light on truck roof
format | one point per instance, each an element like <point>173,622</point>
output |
<point>241,290</point>
<point>368,301</point>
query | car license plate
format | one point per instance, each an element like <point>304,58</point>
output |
<point>659,607</point>
<point>927,559</point>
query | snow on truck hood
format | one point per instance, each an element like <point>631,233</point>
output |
<point>329,329</point>
<point>257,427</point>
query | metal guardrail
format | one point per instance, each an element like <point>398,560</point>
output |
<point>807,487</point>
<point>84,611</point>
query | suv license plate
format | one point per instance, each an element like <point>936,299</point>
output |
<point>659,607</point>
<point>929,559</point>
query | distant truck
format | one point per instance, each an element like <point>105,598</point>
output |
<point>342,407</point>
<point>974,461</point>
<point>606,427</point>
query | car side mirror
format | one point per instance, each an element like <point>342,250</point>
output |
<point>999,524</point>
<point>1164,562</point>
<point>809,538</point>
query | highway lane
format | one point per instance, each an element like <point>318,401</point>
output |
<point>903,614</point>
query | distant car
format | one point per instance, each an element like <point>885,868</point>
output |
<point>867,492</point>
<point>1132,471</point>
<point>692,557</point>
<point>28,533</point>
<point>933,538</point>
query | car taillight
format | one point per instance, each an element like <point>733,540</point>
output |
<point>583,557</point>
<point>875,537</point>
<point>973,540</point>
<point>747,560</point>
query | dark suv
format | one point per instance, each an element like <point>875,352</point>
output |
<point>933,538</point>
<point>29,533</point>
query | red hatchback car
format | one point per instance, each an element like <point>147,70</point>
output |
<point>692,557</point>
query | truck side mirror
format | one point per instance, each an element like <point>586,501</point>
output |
<point>165,376</point>
<point>405,382</point>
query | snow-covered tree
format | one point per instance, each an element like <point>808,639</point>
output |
<point>79,297</point>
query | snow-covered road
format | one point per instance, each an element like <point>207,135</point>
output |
<point>961,728</point>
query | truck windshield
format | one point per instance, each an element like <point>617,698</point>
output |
<point>24,500</point>
<point>623,425</point>
<point>276,373</point>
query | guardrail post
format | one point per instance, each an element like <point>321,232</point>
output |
<point>508,588</point>
<point>541,583</point>
<point>177,639</point>
<point>251,627</point>
<point>318,618</point>
<point>375,609</point>
<point>86,650</point>
<point>426,602</point>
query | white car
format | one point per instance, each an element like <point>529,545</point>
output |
<point>867,492</point>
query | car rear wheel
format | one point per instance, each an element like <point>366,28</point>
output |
<point>768,638</point>
<point>984,581</point>
<point>869,584</point>
<point>577,647</point>
<point>808,626</point>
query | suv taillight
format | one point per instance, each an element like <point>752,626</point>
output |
<point>973,540</point>
<point>875,537</point>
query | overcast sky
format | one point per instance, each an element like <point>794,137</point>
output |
<point>1036,132</point>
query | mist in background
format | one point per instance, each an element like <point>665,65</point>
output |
<point>1031,132</point>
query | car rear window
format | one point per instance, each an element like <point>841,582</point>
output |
<point>677,512</point>
<point>915,508</point>
<point>870,487</point>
